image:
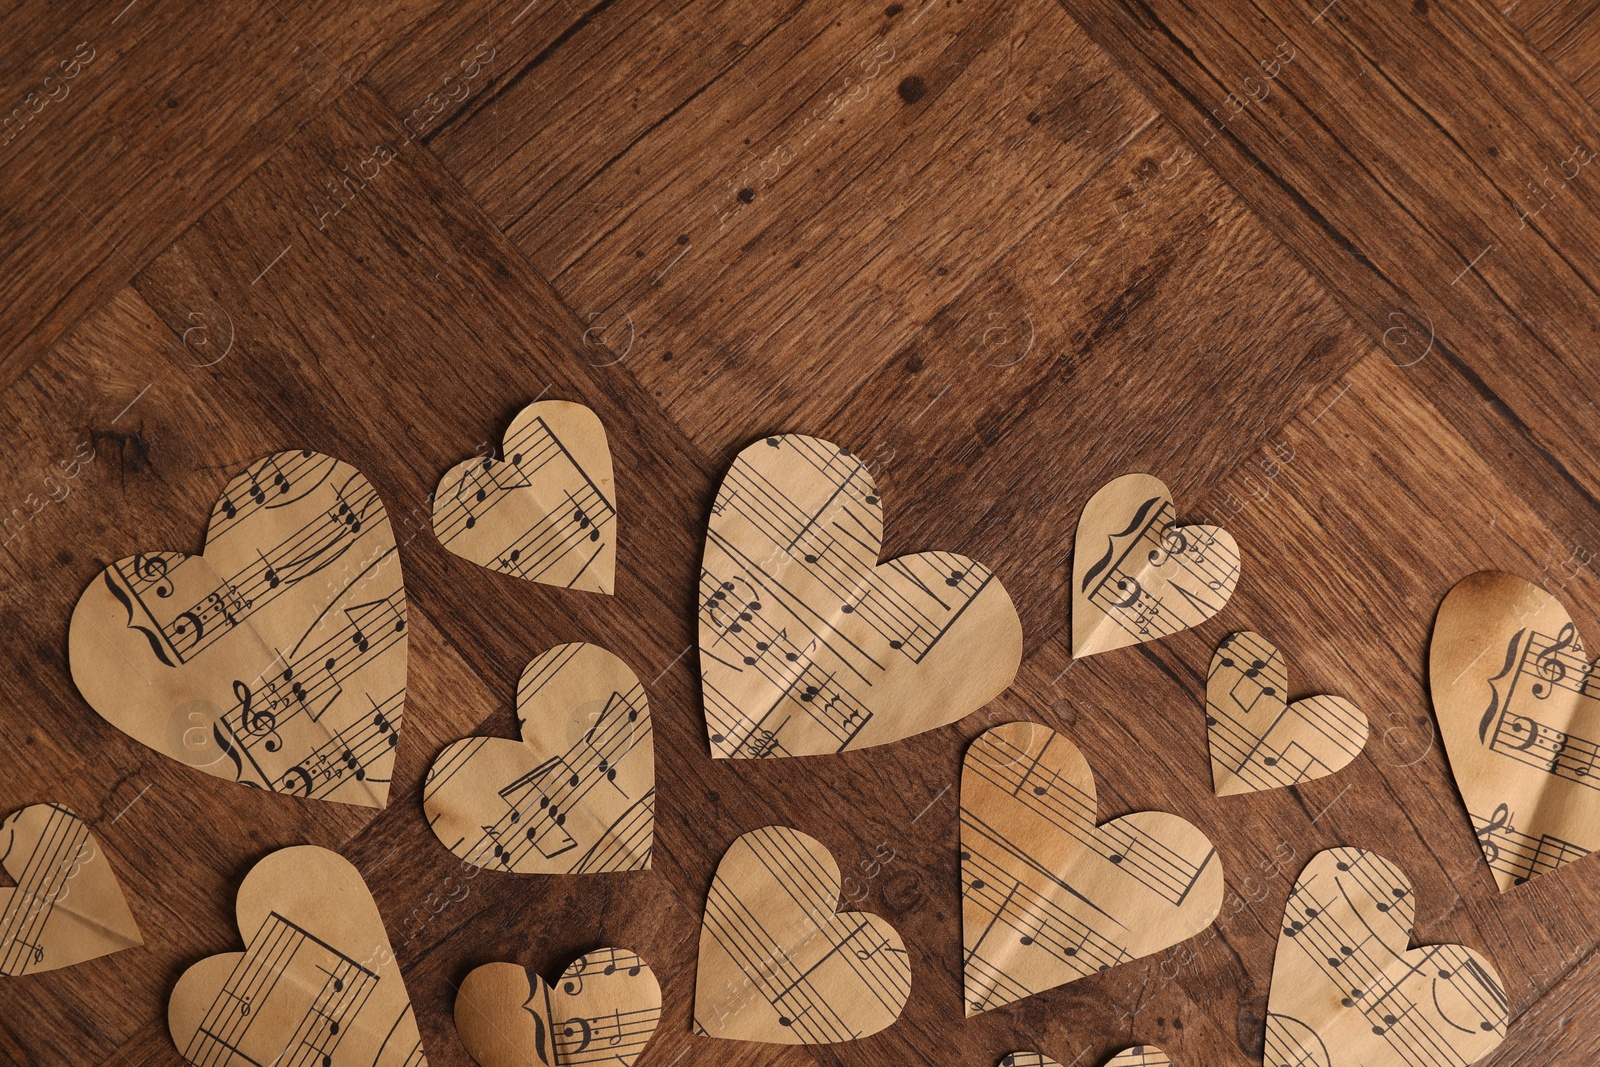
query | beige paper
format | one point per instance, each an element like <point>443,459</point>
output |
<point>1138,1056</point>
<point>547,512</point>
<point>778,963</point>
<point>1258,739</point>
<point>1346,992</point>
<point>66,906</point>
<point>602,1009</point>
<point>1048,897</point>
<point>807,644</point>
<point>316,984</point>
<point>1136,575</point>
<point>278,658</point>
<point>1519,712</point>
<point>575,795</point>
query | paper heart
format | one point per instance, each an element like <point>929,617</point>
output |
<point>316,983</point>
<point>66,906</point>
<point>278,658</point>
<point>1138,1056</point>
<point>778,963</point>
<point>1346,992</point>
<point>1259,740</point>
<point>575,795</point>
<point>547,512</point>
<point>1048,897</point>
<point>807,644</point>
<point>602,1009</point>
<point>1519,711</point>
<point>1136,575</point>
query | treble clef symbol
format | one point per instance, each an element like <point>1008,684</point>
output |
<point>1499,821</point>
<point>1549,663</point>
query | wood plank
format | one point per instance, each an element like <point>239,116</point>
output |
<point>1568,33</point>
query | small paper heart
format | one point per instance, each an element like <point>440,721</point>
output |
<point>1259,740</point>
<point>576,795</point>
<point>602,1009</point>
<point>1347,991</point>
<point>807,644</point>
<point>1048,897</point>
<point>66,906</point>
<point>778,963</point>
<point>1137,575</point>
<point>547,511</point>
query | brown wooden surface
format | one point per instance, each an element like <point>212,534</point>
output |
<point>1003,251</point>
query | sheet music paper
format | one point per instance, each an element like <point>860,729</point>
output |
<point>316,984</point>
<point>1348,992</point>
<point>1138,576</point>
<point>807,644</point>
<point>575,795</point>
<point>601,1010</point>
<point>1049,897</point>
<point>778,963</point>
<point>546,510</point>
<point>1138,1056</point>
<point>278,658</point>
<point>1519,712</point>
<point>1259,740</point>
<point>66,906</point>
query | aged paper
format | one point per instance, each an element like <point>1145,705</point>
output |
<point>1049,897</point>
<point>1138,1056</point>
<point>1258,739</point>
<point>66,906</point>
<point>547,511</point>
<point>601,1010</point>
<point>1347,992</point>
<point>316,983</point>
<point>807,644</point>
<point>778,963</point>
<point>576,795</point>
<point>1519,712</point>
<point>278,658</point>
<point>1137,575</point>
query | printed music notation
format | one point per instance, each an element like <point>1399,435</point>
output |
<point>1347,992</point>
<point>1137,575</point>
<point>576,795</point>
<point>1258,739</point>
<point>316,985</point>
<point>276,659</point>
<point>66,906</point>
<point>1138,1056</point>
<point>807,644</point>
<point>547,511</point>
<point>1047,896</point>
<point>778,964</point>
<point>1517,855</point>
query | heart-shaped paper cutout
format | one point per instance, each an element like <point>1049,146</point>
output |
<point>1347,991</point>
<point>1048,897</point>
<point>1258,739</point>
<point>1136,575</point>
<point>316,983</point>
<point>778,963</point>
<point>1519,711</point>
<point>1138,1056</point>
<point>807,644</point>
<point>66,906</point>
<point>576,795</point>
<point>278,658</point>
<point>602,1009</point>
<point>547,512</point>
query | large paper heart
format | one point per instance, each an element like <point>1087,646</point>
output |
<point>1137,575</point>
<point>1258,739</point>
<point>602,1009</point>
<point>278,658</point>
<point>316,984</point>
<point>778,964</point>
<point>807,645</point>
<point>575,795</point>
<point>547,512</point>
<point>66,906</point>
<point>1346,992</point>
<point>1519,711</point>
<point>1138,1056</point>
<point>1049,897</point>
